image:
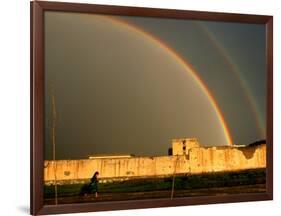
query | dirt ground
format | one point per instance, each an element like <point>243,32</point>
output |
<point>103,197</point>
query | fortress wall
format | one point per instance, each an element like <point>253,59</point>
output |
<point>198,160</point>
<point>112,168</point>
<point>217,159</point>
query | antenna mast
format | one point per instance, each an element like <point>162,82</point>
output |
<point>174,176</point>
<point>54,119</point>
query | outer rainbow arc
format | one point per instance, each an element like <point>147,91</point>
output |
<point>236,71</point>
<point>186,65</point>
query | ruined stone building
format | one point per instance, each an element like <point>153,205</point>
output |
<point>185,157</point>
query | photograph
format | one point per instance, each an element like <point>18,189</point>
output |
<point>150,107</point>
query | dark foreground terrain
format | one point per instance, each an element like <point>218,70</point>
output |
<point>250,181</point>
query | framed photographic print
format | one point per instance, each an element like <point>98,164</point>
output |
<point>141,107</point>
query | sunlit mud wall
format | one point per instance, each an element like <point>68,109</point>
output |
<point>198,160</point>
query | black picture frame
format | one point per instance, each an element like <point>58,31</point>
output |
<point>37,9</point>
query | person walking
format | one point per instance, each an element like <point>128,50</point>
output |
<point>93,186</point>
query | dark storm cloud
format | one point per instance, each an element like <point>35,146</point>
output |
<point>113,96</point>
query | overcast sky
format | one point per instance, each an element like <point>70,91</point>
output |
<point>118,91</point>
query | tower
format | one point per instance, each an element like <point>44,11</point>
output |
<point>182,146</point>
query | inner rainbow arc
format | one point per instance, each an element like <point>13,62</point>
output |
<point>187,66</point>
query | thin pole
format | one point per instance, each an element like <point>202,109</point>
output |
<point>174,175</point>
<point>54,118</point>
